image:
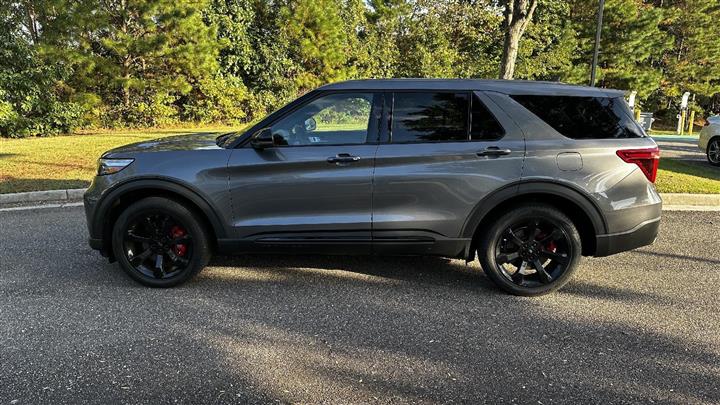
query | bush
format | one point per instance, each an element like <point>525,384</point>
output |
<point>219,99</point>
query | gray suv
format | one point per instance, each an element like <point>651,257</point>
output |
<point>527,176</point>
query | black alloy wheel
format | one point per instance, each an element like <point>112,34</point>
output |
<point>160,242</point>
<point>713,152</point>
<point>533,252</point>
<point>530,250</point>
<point>157,245</point>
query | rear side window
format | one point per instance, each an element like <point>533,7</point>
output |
<point>584,117</point>
<point>428,117</point>
<point>441,117</point>
<point>484,126</point>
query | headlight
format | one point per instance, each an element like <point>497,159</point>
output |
<point>111,166</point>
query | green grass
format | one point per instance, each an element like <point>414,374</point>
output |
<point>69,161</point>
<point>687,176</point>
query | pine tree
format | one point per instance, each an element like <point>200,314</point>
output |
<point>693,63</point>
<point>318,42</point>
<point>631,45</point>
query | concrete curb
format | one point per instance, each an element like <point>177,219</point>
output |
<point>711,201</point>
<point>39,196</point>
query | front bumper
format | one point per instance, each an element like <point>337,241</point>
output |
<point>642,235</point>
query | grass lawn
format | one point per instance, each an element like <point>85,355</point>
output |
<point>70,161</point>
<point>688,176</point>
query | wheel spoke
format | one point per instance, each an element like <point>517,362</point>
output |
<point>518,277</point>
<point>505,258</point>
<point>142,256</point>
<point>158,269</point>
<point>533,230</point>
<point>516,240</point>
<point>560,258</point>
<point>180,239</point>
<point>164,225</point>
<point>175,258</point>
<point>137,238</point>
<point>544,276</point>
<point>553,236</point>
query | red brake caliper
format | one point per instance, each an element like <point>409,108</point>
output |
<point>179,248</point>
<point>550,246</point>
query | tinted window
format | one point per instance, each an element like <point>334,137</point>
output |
<point>483,125</point>
<point>584,117</point>
<point>343,118</point>
<point>430,117</point>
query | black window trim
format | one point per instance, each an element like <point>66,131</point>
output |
<point>390,109</point>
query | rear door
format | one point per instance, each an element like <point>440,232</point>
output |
<point>442,153</point>
<point>315,186</point>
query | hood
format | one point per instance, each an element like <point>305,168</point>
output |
<point>200,141</point>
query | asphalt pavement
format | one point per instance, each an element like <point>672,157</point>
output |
<point>680,148</point>
<point>638,327</point>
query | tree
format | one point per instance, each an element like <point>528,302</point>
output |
<point>142,58</point>
<point>518,14</point>
<point>33,100</point>
<point>318,42</point>
<point>631,50</point>
<point>692,63</point>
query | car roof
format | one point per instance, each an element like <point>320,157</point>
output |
<point>500,86</point>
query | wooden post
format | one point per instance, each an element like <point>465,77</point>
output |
<point>682,122</point>
<point>690,124</point>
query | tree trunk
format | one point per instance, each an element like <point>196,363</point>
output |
<point>518,14</point>
<point>32,24</point>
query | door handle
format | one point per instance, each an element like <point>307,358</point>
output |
<point>494,151</point>
<point>341,158</point>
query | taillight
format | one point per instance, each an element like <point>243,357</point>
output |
<point>646,159</point>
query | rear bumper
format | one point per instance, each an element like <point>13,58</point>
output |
<point>642,235</point>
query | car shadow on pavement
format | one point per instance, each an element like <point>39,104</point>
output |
<point>413,269</point>
<point>681,257</point>
<point>310,328</point>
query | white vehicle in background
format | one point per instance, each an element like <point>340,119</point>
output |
<point>709,140</point>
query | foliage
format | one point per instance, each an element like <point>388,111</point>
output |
<point>67,64</point>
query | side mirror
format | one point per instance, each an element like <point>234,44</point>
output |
<point>263,139</point>
<point>310,124</point>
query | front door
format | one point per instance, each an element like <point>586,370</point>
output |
<point>314,186</point>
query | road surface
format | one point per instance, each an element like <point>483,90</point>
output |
<point>637,327</point>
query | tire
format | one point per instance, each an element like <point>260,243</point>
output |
<point>157,226</point>
<point>508,253</point>
<point>713,152</point>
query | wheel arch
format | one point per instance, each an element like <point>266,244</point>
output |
<point>584,213</point>
<point>121,196</point>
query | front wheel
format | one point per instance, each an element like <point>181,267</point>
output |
<point>159,242</point>
<point>713,152</point>
<point>530,250</point>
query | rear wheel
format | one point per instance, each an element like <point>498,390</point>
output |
<point>713,152</point>
<point>158,242</point>
<point>531,250</point>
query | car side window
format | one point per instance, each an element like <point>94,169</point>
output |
<point>579,117</point>
<point>429,117</point>
<point>483,125</point>
<point>335,119</point>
